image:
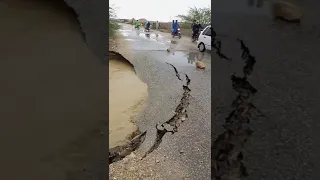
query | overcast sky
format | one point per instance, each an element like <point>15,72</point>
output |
<point>155,10</point>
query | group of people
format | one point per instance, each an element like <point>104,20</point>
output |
<point>175,26</point>
<point>148,25</point>
<point>196,27</point>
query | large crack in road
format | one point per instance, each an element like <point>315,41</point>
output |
<point>227,149</point>
<point>180,115</point>
<point>119,152</point>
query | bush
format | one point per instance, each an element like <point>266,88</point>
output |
<point>113,25</point>
<point>185,25</point>
<point>202,15</point>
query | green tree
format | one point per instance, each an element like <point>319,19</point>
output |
<point>113,25</point>
<point>202,15</point>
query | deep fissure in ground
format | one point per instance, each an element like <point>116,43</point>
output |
<point>227,150</point>
<point>170,126</point>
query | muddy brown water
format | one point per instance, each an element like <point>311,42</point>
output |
<point>127,94</point>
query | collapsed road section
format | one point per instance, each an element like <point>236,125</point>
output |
<point>119,152</point>
<point>227,149</point>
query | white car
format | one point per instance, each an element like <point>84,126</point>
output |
<point>204,40</point>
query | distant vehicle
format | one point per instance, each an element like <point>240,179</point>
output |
<point>204,40</point>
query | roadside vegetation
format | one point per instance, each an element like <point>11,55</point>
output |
<point>113,25</point>
<point>202,15</point>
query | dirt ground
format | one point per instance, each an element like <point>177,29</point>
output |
<point>54,95</point>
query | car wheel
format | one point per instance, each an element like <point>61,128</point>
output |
<point>201,47</point>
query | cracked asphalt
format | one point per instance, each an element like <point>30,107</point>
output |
<point>186,153</point>
<point>284,144</point>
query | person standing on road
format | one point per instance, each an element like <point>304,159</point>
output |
<point>157,25</point>
<point>172,26</point>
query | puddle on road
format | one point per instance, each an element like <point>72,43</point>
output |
<point>125,33</point>
<point>182,59</point>
<point>127,94</point>
<point>131,34</point>
<point>147,35</point>
<point>152,35</point>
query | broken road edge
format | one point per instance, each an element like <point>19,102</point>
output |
<point>120,152</point>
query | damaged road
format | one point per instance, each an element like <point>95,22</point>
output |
<point>180,115</point>
<point>284,142</point>
<point>119,152</point>
<point>175,125</point>
<point>228,148</point>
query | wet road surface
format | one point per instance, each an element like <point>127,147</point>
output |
<point>187,152</point>
<point>284,144</point>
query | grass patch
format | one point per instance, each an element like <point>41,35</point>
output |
<point>113,27</point>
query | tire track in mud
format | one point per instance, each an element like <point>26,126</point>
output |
<point>119,152</point>
<point>227,149</point>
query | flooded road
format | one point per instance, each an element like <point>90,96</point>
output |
<point>179,93</point>
<point>127,95</point>
<point>182,51</point>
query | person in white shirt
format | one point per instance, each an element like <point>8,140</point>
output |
<point>157,25</point>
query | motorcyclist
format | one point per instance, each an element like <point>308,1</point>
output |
<point>148,25</point>
<point>195,28</point>
<point>175,27</point>
<point>138,24</point>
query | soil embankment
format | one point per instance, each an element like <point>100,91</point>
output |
<point>53,95</point>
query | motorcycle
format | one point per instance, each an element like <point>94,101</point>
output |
<point>178,33</point>
<point>195,35</point>
<point>147,29</point>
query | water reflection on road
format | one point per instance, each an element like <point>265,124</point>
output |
<point>179,52</point>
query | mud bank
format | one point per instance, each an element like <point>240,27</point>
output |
<point>53,95</point>
<point>127,94</point>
